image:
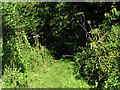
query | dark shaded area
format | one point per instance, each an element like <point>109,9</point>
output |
<point>68,39</point>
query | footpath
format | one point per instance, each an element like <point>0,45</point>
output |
<point>56,75</point>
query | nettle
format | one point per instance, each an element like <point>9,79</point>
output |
<point>98,62</point>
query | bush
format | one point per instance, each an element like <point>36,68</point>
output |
<point>99,61</point>
<point>18,55</point>
<point>14,79</point>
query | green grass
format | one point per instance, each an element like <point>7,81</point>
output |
<point>56,75</point>
<point>42,71</point>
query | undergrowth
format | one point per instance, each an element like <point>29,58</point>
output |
<point>99,61</point>
<point>19,58</point>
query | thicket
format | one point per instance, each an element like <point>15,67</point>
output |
<point>19,55</point>
<point>99,61</point>
<point>33,32</point>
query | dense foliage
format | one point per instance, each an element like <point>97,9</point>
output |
<point>99,61</point>
<point>36,33</point>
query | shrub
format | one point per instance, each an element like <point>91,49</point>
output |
<point>18,55</point>
<point>14,79</point>
<point>98,63</point>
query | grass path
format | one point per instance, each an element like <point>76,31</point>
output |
<point>57,75</point>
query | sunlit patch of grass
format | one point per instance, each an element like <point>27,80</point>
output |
<point>57,75</point>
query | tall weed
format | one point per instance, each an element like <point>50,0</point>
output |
<point>99,61</point>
